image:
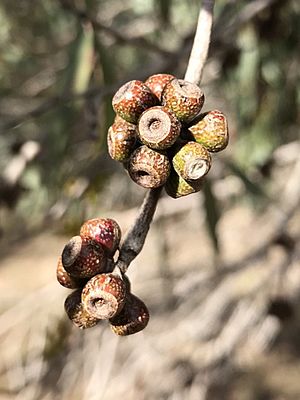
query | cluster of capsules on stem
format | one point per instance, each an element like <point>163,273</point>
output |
<point>161,136</point>
<point>102,291</point>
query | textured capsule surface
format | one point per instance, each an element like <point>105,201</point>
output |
<point>192,161</point>
<point>105,231</point>
<point>177,187</point>
<point>185,99</point>
<point>104,295</point>
<point>66,279</point>
<point>157,83</point>
<point>211,131</point>
<point>158,128</point>
<point>76,312</point>
<point>132,99</point>
<point>132,319</point>
<point>148,168</point>
<point>83,257</point>
<point>121,138</point>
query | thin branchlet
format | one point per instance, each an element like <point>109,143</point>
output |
<point>136,236</point>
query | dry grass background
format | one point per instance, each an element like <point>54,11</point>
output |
<point>211,335</point>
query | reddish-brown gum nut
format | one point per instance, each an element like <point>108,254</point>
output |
<point>211,130</point>
<point>83,257</point>
<point>121,138</point>
<point>148,168</point>
<point>76,312</point>
<point>105,231</point>
<point>157,83</point>
<point>184,98</point>
<point>67,280</point>
<point>132,319</point>
<point>132,99</point>
<point>158,128</point>
<point>104,295</point>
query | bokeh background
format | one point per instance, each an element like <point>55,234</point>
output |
<point>219,270</point>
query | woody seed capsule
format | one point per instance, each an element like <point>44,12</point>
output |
<point>211,131</point>
<point>192,161</point>
<point>133,318</point>
<point>104,295</point>
<point>177,187</point>
<point>158,128</point>
<point>121,138</point>
<point>185,99</point>
<point>132,99</point>
<point>148,168</point>
<point>76,313</point>
<point>83,257</point>
<point>105,231</point>
<point>158,82</point>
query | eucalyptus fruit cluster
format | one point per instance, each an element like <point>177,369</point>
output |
<point>161,136</point>
<point>102,292</point>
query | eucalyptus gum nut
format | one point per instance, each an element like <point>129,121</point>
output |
<point>132,99</point>
<point>121,139</point>
<point>158,128</point>
<point>66,279</point>
<point>177,187</point>
<point>76,313</point>
<point>184,98</point>
<point>148,168</point>
<point>192,161</point>
<point>105,231</point>
<point>211,130</point>
<point>157,83</point>
<point>104,295</point>
<point>133,318</point>
<point>83,257</point>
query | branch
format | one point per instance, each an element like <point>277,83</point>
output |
<point>135,238</point>
<point>201,43</point>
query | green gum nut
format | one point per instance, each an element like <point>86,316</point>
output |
<point>211,131</point>
<point>192,161</point>
<point>177,187</point>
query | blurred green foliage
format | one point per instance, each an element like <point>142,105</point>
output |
<point>62,60</point>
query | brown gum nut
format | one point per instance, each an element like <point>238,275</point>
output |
<point>148,168</point>
<point>158,128</point>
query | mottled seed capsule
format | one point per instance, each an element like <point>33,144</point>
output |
<point>132,99</point>
<point>76,313</point>
<point>132,319</point>
<point>104,295</point>
<point>121,138</point>
<point>211,131</point>
<point>192,161</point>
<point>158,82</point>
<point>105,231</point>
<point>148,168</point>
<point>83,257</point>
<point>177,187</point>
<point>185,99</point>
<point>158,128</point>
<point>67,280</point>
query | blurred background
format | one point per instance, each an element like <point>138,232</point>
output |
<point>219,270</point>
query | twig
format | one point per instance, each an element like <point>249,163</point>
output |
<point>136,236</point>
<point>201,43</point>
